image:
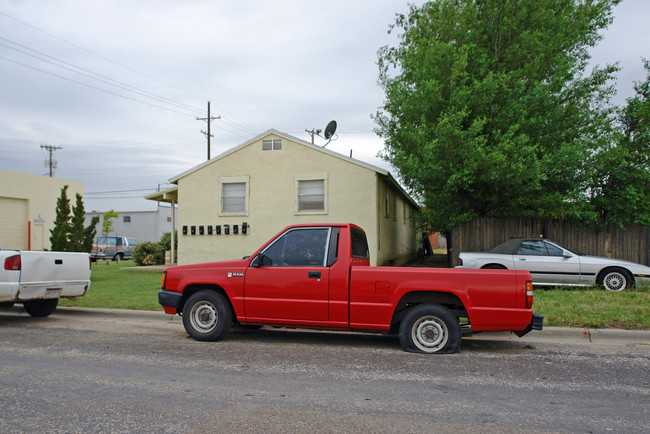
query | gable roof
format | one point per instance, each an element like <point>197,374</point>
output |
<point>379,170</point>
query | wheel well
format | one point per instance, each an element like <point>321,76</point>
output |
<point>446,299</point>
<point>494,267</point>
<point>190,290</point>
<point>601,273</point>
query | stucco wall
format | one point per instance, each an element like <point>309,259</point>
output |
<point>351,196</point>
<point>396,232</point>
<point>38,194</point>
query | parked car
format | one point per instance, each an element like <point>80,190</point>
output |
<point>553,265</point>
<point>114,248</point>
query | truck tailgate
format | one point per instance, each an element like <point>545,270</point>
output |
<point>69,272</point>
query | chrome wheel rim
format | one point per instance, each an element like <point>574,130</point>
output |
<point>429,334</point>
<point>614,281</point>
<point>204,317</point>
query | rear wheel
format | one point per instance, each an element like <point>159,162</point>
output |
<point>118,257</point>
<point>41,308</point>
<point>430,328</point>
<point>615,279</point>
<point>207,316</point>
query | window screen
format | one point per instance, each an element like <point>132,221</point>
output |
<point>233,197</point>
<point>272,145</point>
<point>311,195</point>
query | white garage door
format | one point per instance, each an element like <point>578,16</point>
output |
<point>13,223</point>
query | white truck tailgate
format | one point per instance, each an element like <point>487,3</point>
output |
<point>53,274</point>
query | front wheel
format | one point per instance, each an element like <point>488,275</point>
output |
<point>207,316</point>
<point>615,279</point>
<point>430,328</point>
<point>41,308</point>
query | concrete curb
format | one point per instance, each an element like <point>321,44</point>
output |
<point>548,335</point>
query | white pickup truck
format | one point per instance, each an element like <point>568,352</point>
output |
<point>39,279</point>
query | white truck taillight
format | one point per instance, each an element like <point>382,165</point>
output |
<point>529,294</point>
<point>12,263</point>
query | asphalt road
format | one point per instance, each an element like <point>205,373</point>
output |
<point>86,370</point>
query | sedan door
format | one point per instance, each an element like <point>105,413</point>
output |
<point>547,263</point>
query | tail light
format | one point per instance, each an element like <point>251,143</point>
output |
<point>163,280</point>
<point>90,263</point>
<point>529,294</point>
<point>460,262</point>
<point>12,263</point>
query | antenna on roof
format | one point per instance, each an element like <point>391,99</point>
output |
<point>330,131</point>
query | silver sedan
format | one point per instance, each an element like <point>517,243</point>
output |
<point>553,265</point>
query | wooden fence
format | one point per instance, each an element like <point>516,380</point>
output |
<point>631,243</point>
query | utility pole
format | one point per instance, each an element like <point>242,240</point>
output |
<point>313,132</point>
<point>209,119</point>
<point>52,163</point>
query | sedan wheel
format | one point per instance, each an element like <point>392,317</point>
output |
<point>615,279</point>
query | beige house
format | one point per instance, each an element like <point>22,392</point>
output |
<point>28,208</point>
<point>230,205</point>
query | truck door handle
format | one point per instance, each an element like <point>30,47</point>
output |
<point>314,275</point>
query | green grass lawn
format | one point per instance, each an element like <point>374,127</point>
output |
<point>114,286</point>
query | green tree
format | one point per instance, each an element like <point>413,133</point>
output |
<point>68,233</point>
<point>107,222</point>
<point>81,238</point>
<point>620,191</point>
<point>60,233</point>
<point>488,111</point>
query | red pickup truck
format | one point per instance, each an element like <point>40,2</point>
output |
<point>319,276</point>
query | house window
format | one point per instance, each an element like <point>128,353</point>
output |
<point>234,195</point>
<point>126,219</point>
<point>233,198</point>
<point>311,194</point>
<point>272,145</point>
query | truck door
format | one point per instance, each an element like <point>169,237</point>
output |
<point>289,280</point>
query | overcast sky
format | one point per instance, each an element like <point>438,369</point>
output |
<point>118,84</point>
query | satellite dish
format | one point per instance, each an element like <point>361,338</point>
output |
<point>330,129</point>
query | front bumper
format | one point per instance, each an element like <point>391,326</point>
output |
<point>537,323</point>
<point>170,301</point>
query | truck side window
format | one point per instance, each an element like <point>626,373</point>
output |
<point>298,248</point>
<point>359,244</point>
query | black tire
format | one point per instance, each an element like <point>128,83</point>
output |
<point>207,316</point>
<point>118,257</point>
<point>7,304</point>
<point>41,308</point>
<point>494,267</point>
<point>615,279</point>
<point>430,329</point>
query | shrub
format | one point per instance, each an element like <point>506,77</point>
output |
<point>148,253</point>
<point>165,241</point>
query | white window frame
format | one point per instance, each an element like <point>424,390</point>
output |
<point>310,177</point>
<point>234,180</point>
<point>275,144</point>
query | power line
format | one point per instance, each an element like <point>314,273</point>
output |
<point>236,122</point>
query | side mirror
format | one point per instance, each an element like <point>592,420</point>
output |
<point>261,261</point>
<point>567,254</point>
